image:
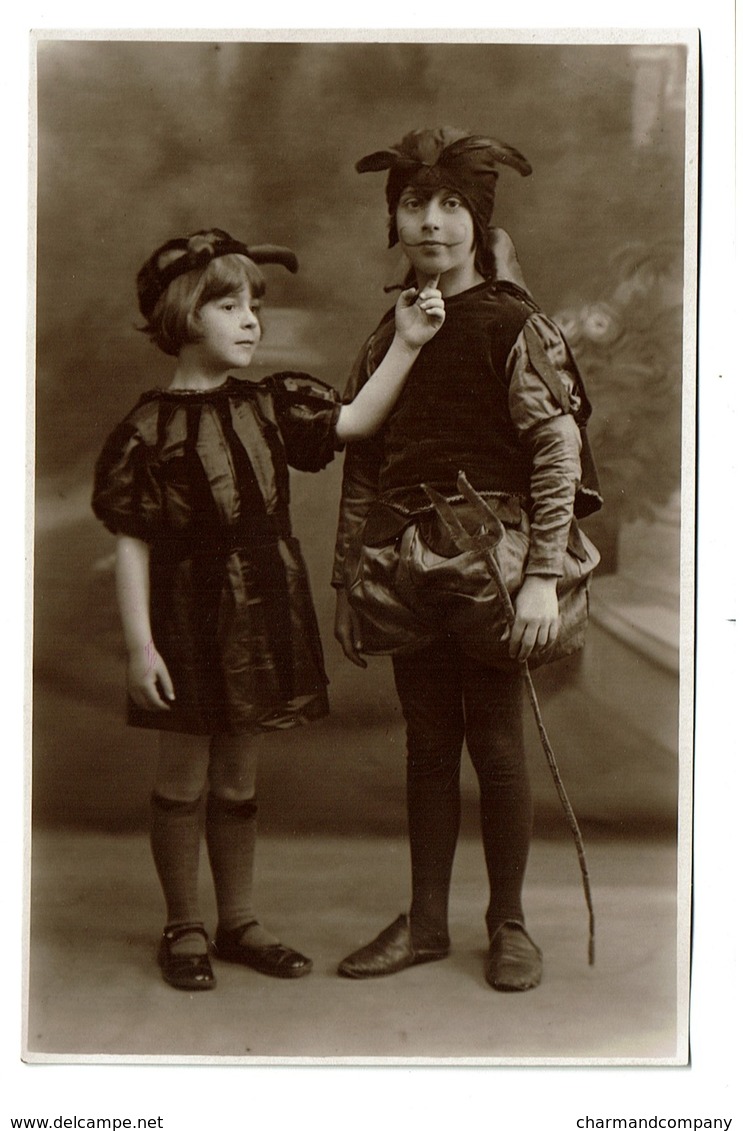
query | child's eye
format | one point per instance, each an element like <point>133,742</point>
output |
<point>452,202</point>
<point>256,307</point>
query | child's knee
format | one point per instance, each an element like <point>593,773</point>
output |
<point>233,766</point>
<point>182,763</point>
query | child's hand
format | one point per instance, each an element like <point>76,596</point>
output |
<point>419,314</point>
<point>537,617</point>
<point>148,680</point>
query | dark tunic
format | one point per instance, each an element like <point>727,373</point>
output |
<point>496,394</point>
<point>203,478</point>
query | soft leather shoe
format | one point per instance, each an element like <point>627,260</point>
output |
<point>514,960</point>
<point>277,960</point>
<point>392,950</point>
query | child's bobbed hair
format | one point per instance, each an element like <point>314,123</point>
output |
<point>174,321</point>
<point>185,273</point>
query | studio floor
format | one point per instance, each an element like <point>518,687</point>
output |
<point>95,992</point>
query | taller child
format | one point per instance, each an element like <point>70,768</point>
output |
<point>213,593</point>
<point>495,395</point>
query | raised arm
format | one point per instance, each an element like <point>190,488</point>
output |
<point>148,680</point>
<point>418,316</point>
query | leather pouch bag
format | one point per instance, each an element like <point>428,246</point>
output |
<point>418,586</point>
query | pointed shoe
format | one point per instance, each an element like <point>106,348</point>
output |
<point>514,960</point>
<point>389,952</point>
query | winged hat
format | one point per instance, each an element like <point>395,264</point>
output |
<point>189,253</point>
<point>445,158</point>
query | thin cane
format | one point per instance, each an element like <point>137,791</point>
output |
<point>484,544</point>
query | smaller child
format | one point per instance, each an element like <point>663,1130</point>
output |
<point>212,589</point>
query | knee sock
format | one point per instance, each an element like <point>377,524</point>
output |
<point>175,840</point>
<point>433,828</point>
<point>231,830</point>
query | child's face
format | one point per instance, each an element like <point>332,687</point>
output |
<point>436,230</point>
<point>229,331</point>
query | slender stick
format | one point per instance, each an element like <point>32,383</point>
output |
<point>494,570</point>
<point>572,821</point>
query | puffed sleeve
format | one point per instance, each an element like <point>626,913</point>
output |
<point>544,399</point>
<point>126,491</point>
<point>307,412</point>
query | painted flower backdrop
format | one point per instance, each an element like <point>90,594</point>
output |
<point>629,346</point>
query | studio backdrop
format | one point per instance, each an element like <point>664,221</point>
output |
<point>138,141</point>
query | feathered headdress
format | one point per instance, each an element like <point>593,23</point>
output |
<point>445,158</point>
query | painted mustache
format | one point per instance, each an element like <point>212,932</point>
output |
<point>415,240</point>
<point>429,243</point>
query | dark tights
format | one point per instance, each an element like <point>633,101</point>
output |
<point>447,698</point>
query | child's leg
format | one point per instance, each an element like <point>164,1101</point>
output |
<point>231,830</point>
<point>494,713</point>
<point>430,692</point>
<point>493,708</point>
<point>175,831</point>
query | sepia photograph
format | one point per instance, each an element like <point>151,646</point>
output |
<point>364,470</point>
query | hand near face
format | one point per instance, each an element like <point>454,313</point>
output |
<point>419,314</point>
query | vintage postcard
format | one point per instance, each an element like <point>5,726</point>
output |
<point>479,858</point>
